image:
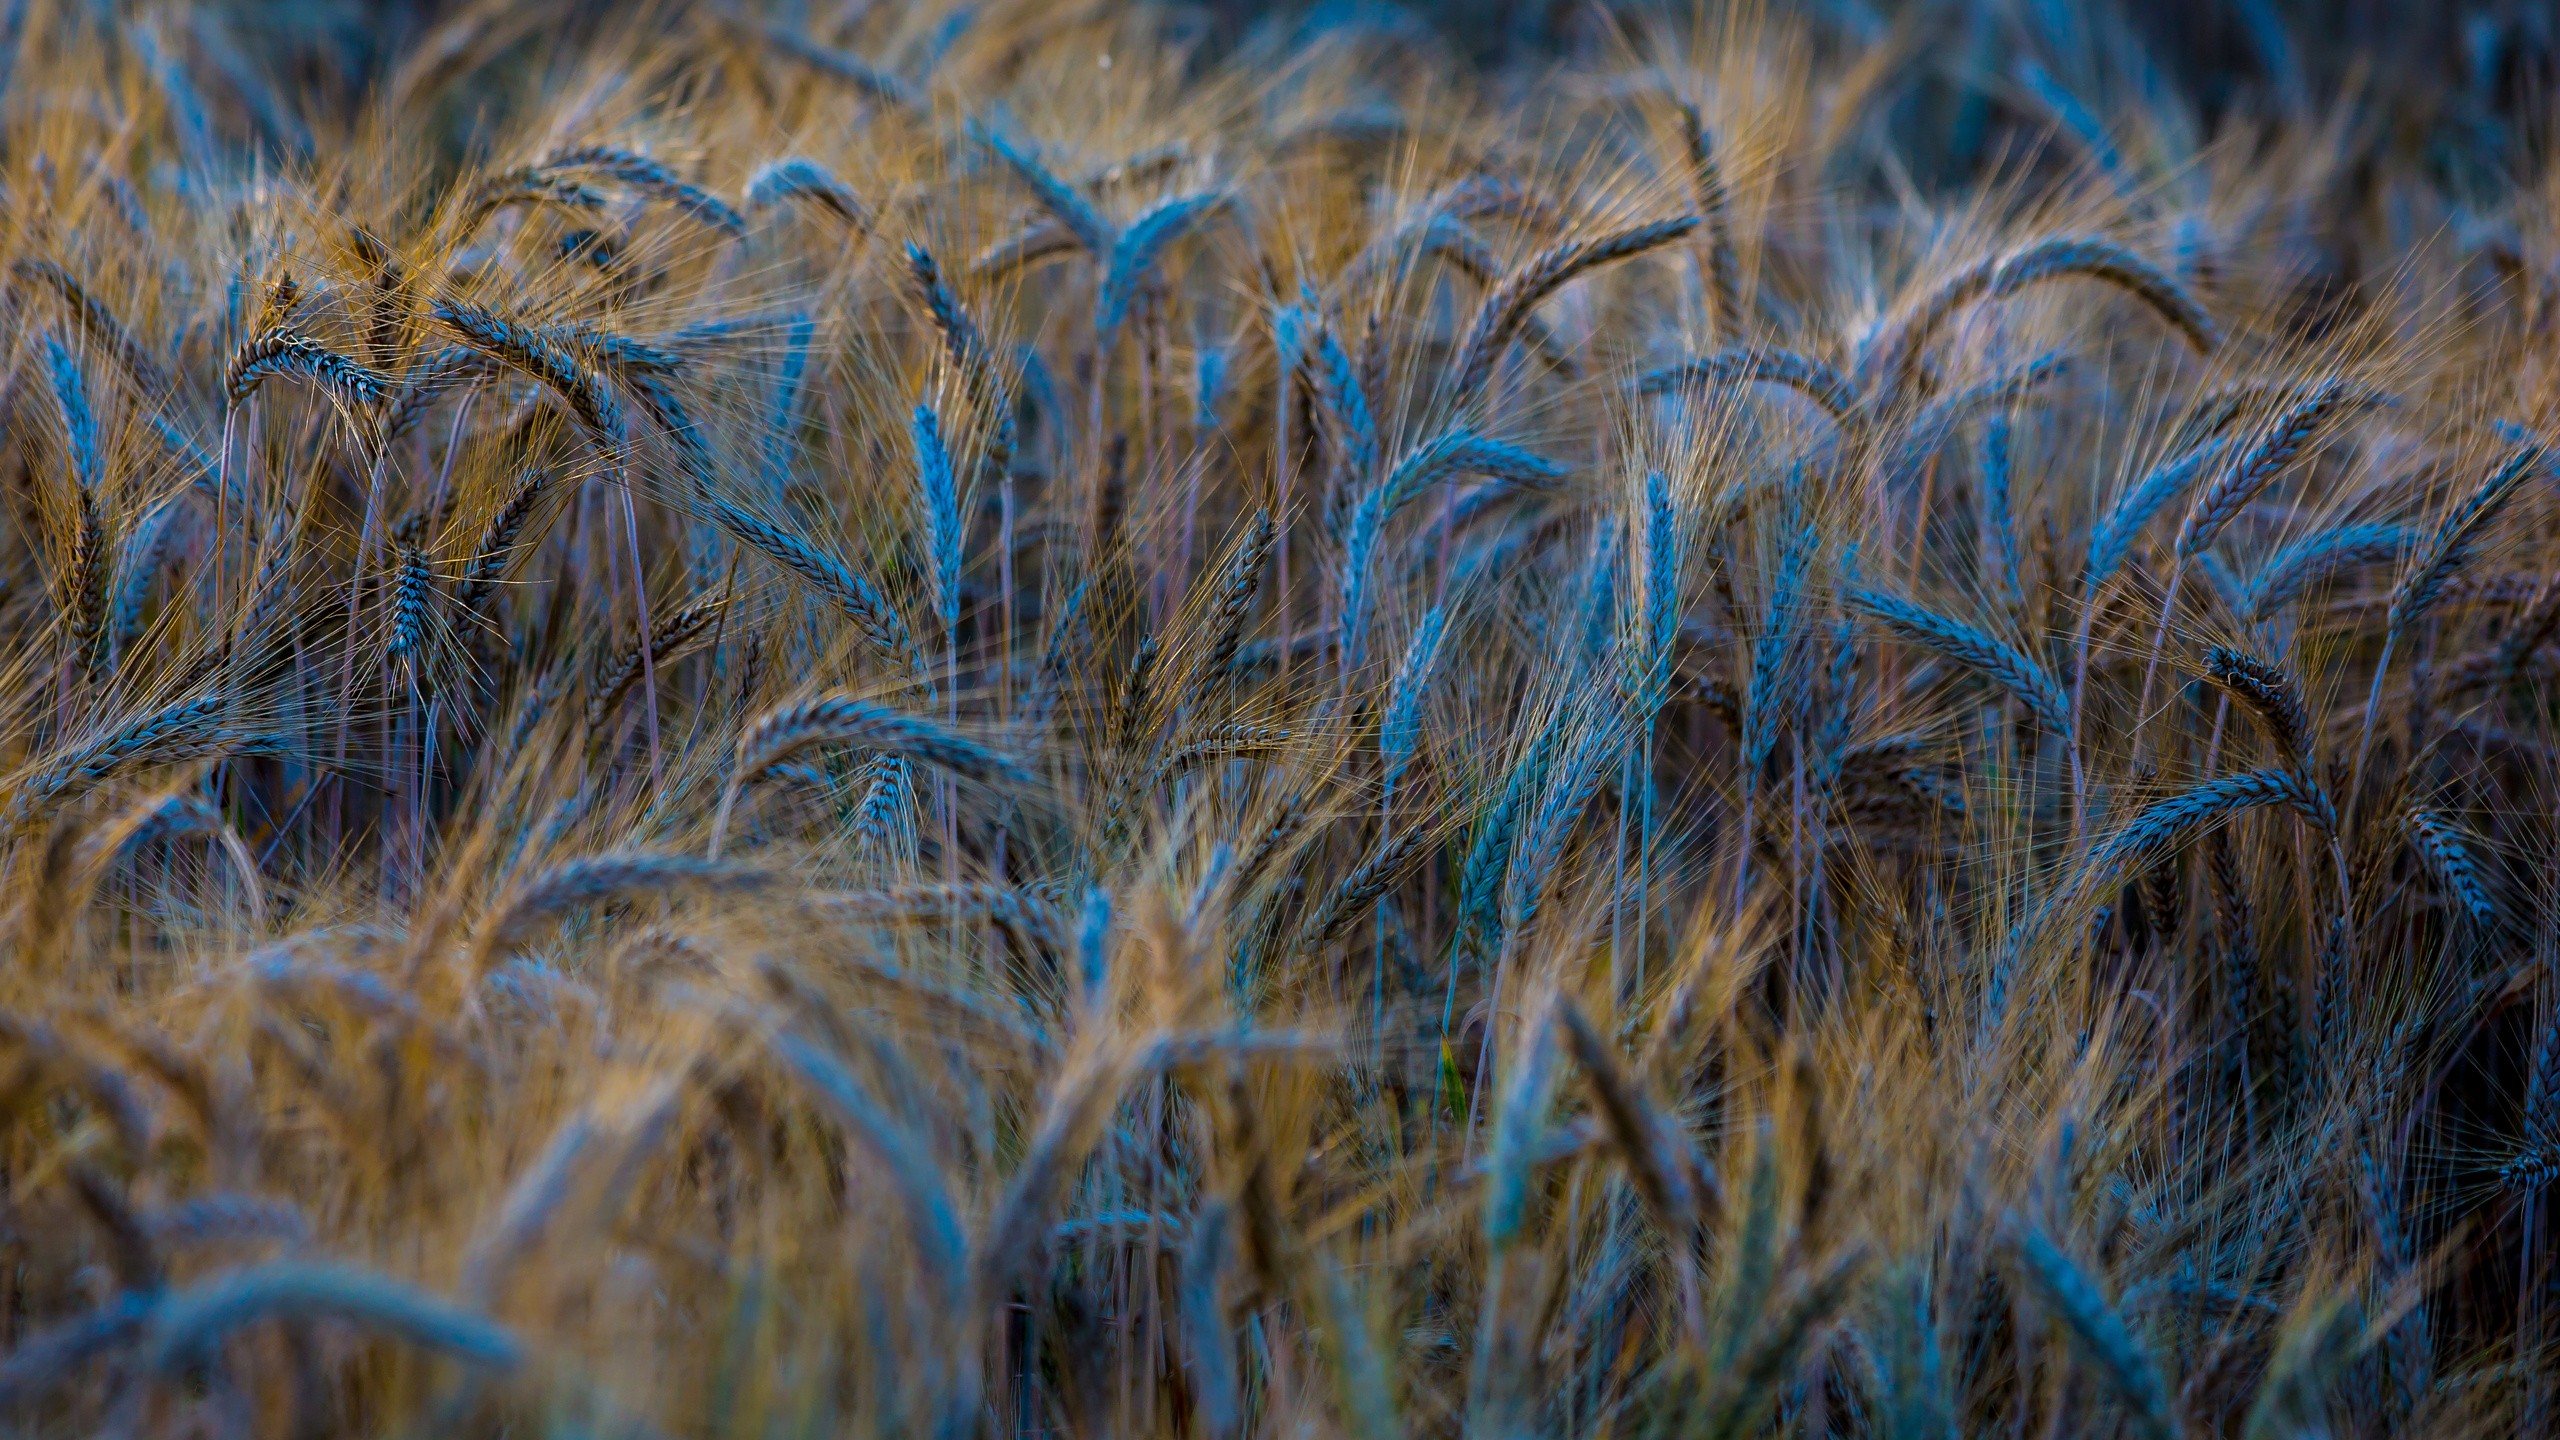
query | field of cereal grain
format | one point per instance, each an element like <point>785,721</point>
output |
<point>774,719</point>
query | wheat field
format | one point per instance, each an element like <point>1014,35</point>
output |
<point>1073,719</point>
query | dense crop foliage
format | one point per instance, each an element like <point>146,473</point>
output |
<point>1050,719</point>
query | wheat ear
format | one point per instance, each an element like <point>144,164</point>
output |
<point>99,325</point>
<point>1811,378</point>
<point>651,178</point>
<point>1063,201</point>
<point>2422,581</point>
<point>842,720</point>
<point>2270,694</point>
<point>850,70</point>
<point>186,730</point>
<point>667,643</point>
<point>799,178</point>
<point>2314,561</point>
<point>190,1323</point>
<point>2448,852</point>
<point>546,361</point>
<point>831,578</point>
<point>1715,215</point>
<point>285,351</point>
<point>1136,250</point>
<point>1971,647</point>
<point>2096,1331</point>
<point>1508,303</point>
<point>592,879</point>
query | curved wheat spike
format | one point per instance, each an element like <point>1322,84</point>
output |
<point>1811,378</point>
<point>2422,580</point>
<point>1064,202</point>
<point>648,176</point>
<point>1715,213</point>
<point>1899,350</point>
<point>288,352</point>
<point>865,606</point>
<point>98,324</point>
<point>1504,307</point>
<point>592,879</point>
<point>779,734</point>
<point>858,74</point>
<point>797,177</point>
<point>192,1322</point>
<point>1135,251</point>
